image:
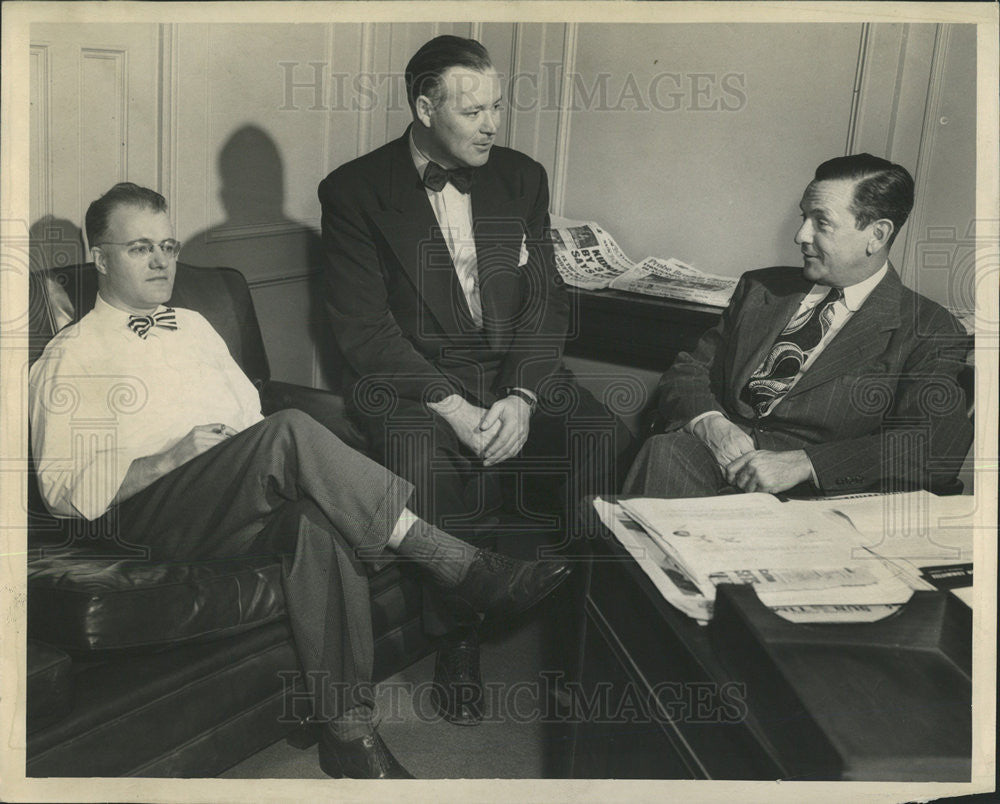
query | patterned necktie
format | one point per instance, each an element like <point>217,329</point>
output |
<point>141,324</point>
<point>436,177</point>
<point>772,379</point>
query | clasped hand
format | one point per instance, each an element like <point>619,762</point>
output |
<point>745,467</point>
<point>495,434</point>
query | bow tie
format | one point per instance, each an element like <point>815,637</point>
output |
<point>436,177</point>
<point>141,324</point>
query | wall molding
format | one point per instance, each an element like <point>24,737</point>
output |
<point>167,83</point>
<point>293,278</point>
<point>41,154</point>
<point>860,76</point>
<point>120,57</point>
<point>564,118</point>
<point>366,65</point>
<point>246,231</point>
<point>510,120</point>
<point>928,135</point>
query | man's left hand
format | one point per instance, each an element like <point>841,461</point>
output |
<point>768,471</point>
<point>514,416</point>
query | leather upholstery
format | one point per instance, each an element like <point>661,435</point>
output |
<point>97,604</point>
<point>219,294</point>
<point>49,686</point>
<point>176,667</point>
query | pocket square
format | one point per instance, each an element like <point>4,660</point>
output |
<point>523,257</point>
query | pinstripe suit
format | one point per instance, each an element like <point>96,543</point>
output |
<point>879,409</point>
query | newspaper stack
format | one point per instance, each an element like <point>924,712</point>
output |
<point>807,561</point>
<point>588,257</point>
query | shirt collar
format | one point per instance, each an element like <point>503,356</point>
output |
<point>420,160</point>
<point>854,295</point>
<point>115,316</point>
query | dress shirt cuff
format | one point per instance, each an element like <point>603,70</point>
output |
<point>532,394</point>
<point>689,427</point>
<point>812,473</point>
<point>87,493</point>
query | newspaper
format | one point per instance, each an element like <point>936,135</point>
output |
<point>588,257</point>
<point>678,589</point>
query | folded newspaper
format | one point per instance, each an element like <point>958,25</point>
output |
<point>815,565</point>
<point>588,257</point>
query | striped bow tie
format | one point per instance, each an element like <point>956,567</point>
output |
<point>141,324</point>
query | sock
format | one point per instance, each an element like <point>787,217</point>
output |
<point>443,556</point>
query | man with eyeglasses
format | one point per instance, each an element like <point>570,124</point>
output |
<point>193,471</point>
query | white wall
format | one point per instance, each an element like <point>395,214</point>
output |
<point>687,140</point>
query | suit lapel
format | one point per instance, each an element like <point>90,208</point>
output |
<point>860,339</point>
<point>499,227</point>
<point>414,235</point>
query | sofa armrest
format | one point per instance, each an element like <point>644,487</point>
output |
<point>325,407</point>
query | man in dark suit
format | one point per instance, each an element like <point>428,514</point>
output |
<point>831,378</point>
<point>444,300</point>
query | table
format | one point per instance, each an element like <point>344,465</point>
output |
<point>635,330</point>
<point>658,696</point>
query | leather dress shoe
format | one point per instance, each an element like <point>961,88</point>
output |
<point>499,586</point>
<point>364,758</point>
<point>457,692</point>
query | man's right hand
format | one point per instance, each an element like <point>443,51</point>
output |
<point>201,439</point>
<point>142,472</point>
<point>464,419</point>
<point>726,441</point>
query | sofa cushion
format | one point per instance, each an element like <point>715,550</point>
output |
<point>100,604</point>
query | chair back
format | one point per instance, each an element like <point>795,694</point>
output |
<point>61,296</point>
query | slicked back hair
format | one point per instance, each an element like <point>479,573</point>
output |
<point>428,65</point>
<point>883,189</point>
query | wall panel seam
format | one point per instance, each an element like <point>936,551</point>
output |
<point>854,116</point>
<point>928,133</point>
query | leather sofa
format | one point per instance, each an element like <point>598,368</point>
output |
<point>177,670</point>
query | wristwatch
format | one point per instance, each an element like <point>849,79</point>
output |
<point>522,394</point>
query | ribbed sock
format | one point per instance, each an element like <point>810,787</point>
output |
<point>442,555</point>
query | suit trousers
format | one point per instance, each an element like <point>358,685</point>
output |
<point>287,486</point>
<point>576,447</point>
<point>673,465</point>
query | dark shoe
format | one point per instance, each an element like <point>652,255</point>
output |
<point>498,586</point>
<point>364,758</point>
<point>457,692</point>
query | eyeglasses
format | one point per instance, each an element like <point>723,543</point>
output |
<point>143,249</point>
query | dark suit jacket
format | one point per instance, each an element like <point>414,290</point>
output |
<point>880,403</point>
<point>397,309</point>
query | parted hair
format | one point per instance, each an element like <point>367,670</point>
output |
<point>123,194</point>
<point>883,189</point>
<point>424,71</point>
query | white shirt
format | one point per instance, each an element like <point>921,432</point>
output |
<point>100,397</point>
<point>854,297</point>
<point>453,210</point>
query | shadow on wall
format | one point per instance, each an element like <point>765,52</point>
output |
<point>259,239</point>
